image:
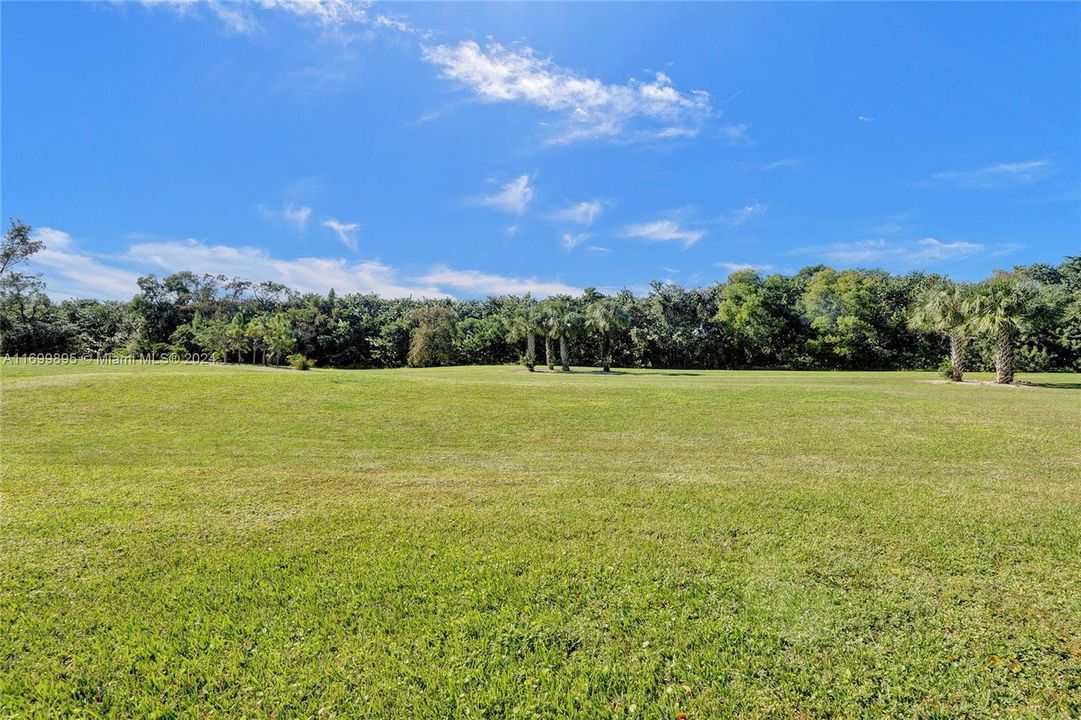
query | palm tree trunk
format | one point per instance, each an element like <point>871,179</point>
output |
<point>564,353</point>
<point>957,356</point>
<point>1003,357</point>
<point>548,353</point>
<point>530,349</point>
<point>606,358</point>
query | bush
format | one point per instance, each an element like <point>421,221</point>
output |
<point>299,362</point>
<point>945,368</point>
<point>529,360</point>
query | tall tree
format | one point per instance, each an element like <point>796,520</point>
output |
<point>523,320</point>
<point>279,337</point>
<point>750,315</point>
<point>943,309</point>
<point>28,321</point>
<point>237,336</point>
<point>562,321</point>
<point>846,312</point>
<point>257,336</point>
<point>432,340</point>
<point>549,333</point>
<point>1003,307</point>
<point>604,316</point>
<point>18,246</point>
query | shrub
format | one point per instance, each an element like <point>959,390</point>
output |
<point>529,360</point>
<point>945,368</point>
<point>299,362</point>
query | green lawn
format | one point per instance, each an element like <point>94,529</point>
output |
<point>215,541</point>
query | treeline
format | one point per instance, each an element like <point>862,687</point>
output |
<point>819,318</point>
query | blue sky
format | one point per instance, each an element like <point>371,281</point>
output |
<point>466,150</point>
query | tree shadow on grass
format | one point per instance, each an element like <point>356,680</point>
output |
<point>632,372</point>
<point>1055,385</point>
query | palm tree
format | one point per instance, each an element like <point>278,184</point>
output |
<point>1003,307</point>
<point>603,317</point>
<point>237,335</point>
<point>546,330</point>
<point>561,321</point>
<point>942,309</point>
<point>279,336</point>
<point>524,321</point>
<point>257,336</point>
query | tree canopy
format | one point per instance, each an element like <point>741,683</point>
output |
<point>818,318</point>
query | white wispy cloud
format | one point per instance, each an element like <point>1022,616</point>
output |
<point>663,231</point>
<point>346,232</point>
<point>68,272</point>
<point>741,215</point>
<point>865,118</point>
<point>931,250</point>
<point>333,17</point>
<point>583,213</point>
<point>572,240</point>
<point>891,225</point>
<point>514,198</point>
<point>588,108</point>
<point>309,274</point>
<point>908,254</point>
<point>327,13</point>
<point>475,282</point>
<point>997,174</point>
<point>233,15</point>
<point>736,134</point>
<point>399,23</point>
<point>737,266</point>
<point>296,216</point>
<point>1005,249</point>
<point>783,164</point>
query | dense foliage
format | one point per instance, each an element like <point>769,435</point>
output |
<point>818,318</point>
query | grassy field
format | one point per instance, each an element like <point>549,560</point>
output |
<point>484,542</point>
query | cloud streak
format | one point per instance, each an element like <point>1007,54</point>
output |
<point>663,231</point>
<point>737,134</point>
<point>732,267</point>
<point>514,198</point>
<point>996,175</point>
<point>583,213</point>
<point>475,282</point>
<point>296,216</point>
<point>346,232</point>
<point>307,274</point>
<point>70,272</point>
<point>333,17</point>
<point>783,164</point>
<point>588,108</point>
<point>741,215</point>
<point>915,254</point>
<point>572,240</point>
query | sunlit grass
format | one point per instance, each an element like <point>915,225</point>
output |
<point>218,541</point>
